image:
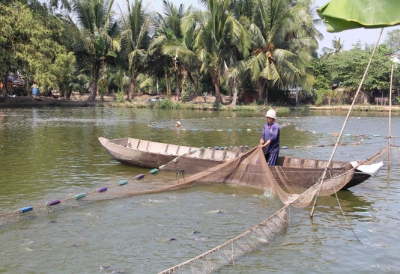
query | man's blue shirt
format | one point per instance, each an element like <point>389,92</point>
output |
<point>271,132</point>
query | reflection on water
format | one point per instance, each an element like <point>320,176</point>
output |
<point>53,153</point>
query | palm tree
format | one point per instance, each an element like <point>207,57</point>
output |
<point>283,37</point>
<point>221,37</point>
<point>237,75</point>
<point>337,48</point>
<point>99,31</point>
<point>179,44</point>
<point>159,64</point>
<point>135,41</point>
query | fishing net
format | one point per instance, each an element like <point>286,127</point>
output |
<point>295,181</point>
<point>226,253</point>
<point>291,176</point>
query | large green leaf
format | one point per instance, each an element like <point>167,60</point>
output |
<point>340,15</point>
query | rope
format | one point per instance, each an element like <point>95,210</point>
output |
<point>345,217</point>
<point>347,118</point>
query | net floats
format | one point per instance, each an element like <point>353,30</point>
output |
<point>54,202</point>
<point>139,176</point>
<point>80,196</point>
<point>25,209</point>
<point>153,171</point>
<point>101,189</point>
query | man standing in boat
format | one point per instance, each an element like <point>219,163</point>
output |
<point>270,138</point>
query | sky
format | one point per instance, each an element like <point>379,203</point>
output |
<point>348,37</point>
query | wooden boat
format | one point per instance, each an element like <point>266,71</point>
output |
<point>143,153</point>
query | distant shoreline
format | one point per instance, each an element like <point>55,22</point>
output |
<point>142,102</point>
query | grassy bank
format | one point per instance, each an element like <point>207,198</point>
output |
<point>199,103</point>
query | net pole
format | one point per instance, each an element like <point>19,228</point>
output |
<point>344,124</point>
<point>390,116</point>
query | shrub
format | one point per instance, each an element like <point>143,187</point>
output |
<point>216,105</point>
<point>120,97</point>
<point>166,104</point>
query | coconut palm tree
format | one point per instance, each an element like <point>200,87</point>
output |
<point>135,40</point>
<point>171,34</point>
<point>99,31</point>
<point>337,47</point>
<point>235,77</point>
<point>179,45</point>
<point>283,37</point>
<point>220,38</point>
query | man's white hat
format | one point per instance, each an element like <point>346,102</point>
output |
<point>179,123</point>
<point>271,114</point>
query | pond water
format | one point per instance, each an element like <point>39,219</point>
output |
<point>53,153</point>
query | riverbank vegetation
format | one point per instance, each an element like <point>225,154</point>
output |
<point>256,53</point>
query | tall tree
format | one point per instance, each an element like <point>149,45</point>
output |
<point>135,40</point>
<point>32,44</point>
<point>220,38</point>
<point>393,40</point>
<point>236,76</point>
<point>179,45</point>
<point>284,37</point>
<point>99,31</point>
<point>337,47</point>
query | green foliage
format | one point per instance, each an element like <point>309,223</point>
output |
<point>220,37</point>
<point>346,69</point>
<point>328,96</point>
<point>184,95</point>
<point>135,38</point>
<point>345,15</point>
<point>120,97</point>
<point>168,104</point>
<point>98,33</point>
<point>284,38</point>
<point>319,70</point>
<point>260,102</point>
<point>210,46</point>
<point>217,105</point>
<point>393,40</point>
<point>320,96</point>
<point>282,110</point>
<point>31,43</point>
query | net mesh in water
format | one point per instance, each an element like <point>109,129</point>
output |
<point>295,182</point>
<point>226,253</point>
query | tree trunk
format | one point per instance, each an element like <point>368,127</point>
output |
<point>102,96</point>
<point>68,94</point>
<point>93,88</point>
<point>5,84</point>
<point>196,87</point>
<point>168,83</point>
<point>158,92</point>
<point>184,95</point>
<point>218,97</point>
<point>235,93</point>
<point>107,90</point>
<point>177,89</point>
<point>132,87</point>
<point>260,84</point>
